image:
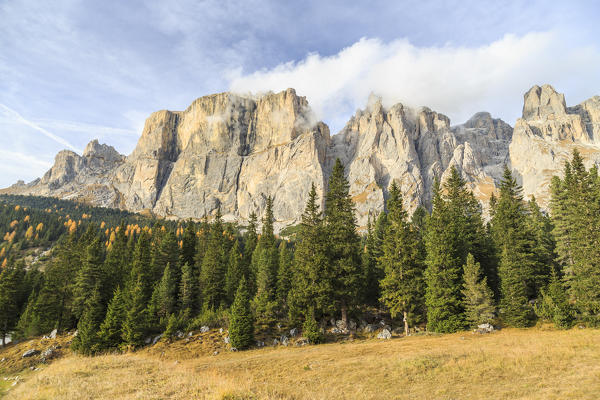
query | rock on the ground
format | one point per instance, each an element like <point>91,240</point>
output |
<point>48,354</point>
<point>293,332</point>
<point>384,334</point>
<point>53,334</point>
<point>204,329</point>
<point>485,328</point>
<point>370,328</point>
<point>156,339</point>
<point>30,353</point>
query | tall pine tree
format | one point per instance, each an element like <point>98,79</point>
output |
<point>402,288</point>
<point>516,243</point>
<point>241,328</point>
<point>312,275</point>
<point>343,242</point>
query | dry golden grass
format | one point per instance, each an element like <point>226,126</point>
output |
<point>511,364</point>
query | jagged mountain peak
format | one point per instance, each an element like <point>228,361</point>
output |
<point>230,151</point>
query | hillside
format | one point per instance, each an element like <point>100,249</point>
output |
<point>533,363</point>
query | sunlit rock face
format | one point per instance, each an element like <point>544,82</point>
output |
<point>546,135</point>
<point>229,152</point>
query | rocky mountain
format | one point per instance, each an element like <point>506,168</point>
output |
<point>230,152</point>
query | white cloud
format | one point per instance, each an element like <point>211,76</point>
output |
<point>455,80</point>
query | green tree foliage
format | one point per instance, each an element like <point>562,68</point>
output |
<point>265,262</point>
<point>141,271</point>
<point>250,240</point>
<point>111,329</point>
<point>212,274</point>
<point>370,268</point>
<point>478,297</point>
<point>343,242</point>
<point>518,263</point>
<point>135,326</point>
<point>554,305</point>
<point>312,277</point>
<point>11,279</point>
<point>575,208</point>
<point>167,253</point>
<point>118,261</point>
<point>173,325</point>
<point>284,274</point>
<point>310,328</point>
<point>188,291</point>
<point>402,288</point>
<point>241,327</point>
<point>235,271</point>
<point>90,276</point>
<point>164,297</point>
<point>88,341</point>
<point>188,245</point>
<point>454,229</point>
<point>540,225</point>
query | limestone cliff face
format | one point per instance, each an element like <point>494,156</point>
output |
<point>230,152</point>
<point>379,146</point>
<point>545,137</point>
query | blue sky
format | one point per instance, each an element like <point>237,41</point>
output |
<point>75,70</point>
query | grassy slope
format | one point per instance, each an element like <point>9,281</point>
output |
<point>523,364</point>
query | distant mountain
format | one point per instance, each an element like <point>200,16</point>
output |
<point>230,152</point>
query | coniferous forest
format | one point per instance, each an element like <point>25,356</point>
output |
<point>119,278</point>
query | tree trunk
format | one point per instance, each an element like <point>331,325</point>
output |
<point>345,315</point>
<point>405,323</point>
<point>3,339</point>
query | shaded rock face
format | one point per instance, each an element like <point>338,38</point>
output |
<point>230,152</point>
<point>546,135</point>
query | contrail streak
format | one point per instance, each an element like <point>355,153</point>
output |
<point>19,118</point>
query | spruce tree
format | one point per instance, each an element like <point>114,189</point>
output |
<point>164,296</point>
<point>10,283</point>
<point>212,274</point>
<point>89,277</point>
<point>265,262</point>
<point>343,242</point>
<point>402,288</point>
<point>250,242</point>
<point>284,274</point>
<point>141,271</point>
<point>167,252</point>
<point>514,307</point>
<point>312,278</point>
<point>554,305</point>
<point>172,326</point>
<point>454,230</point>
<point>235,272</point>
<point>88,341</point>
<point>118,261</point>
<point>370,273</point>
<point>544,245</point>
<point>111,329</point>
<point>241,327</point>
<point>310,328</point>
<point>135,325</point>
<point>188,291</point>
<point>516,242</point>
<point>575,208</point>
<point>188,245</point>
<point>479,299</point>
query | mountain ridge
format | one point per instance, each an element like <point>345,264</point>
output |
<point>227,151</point>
